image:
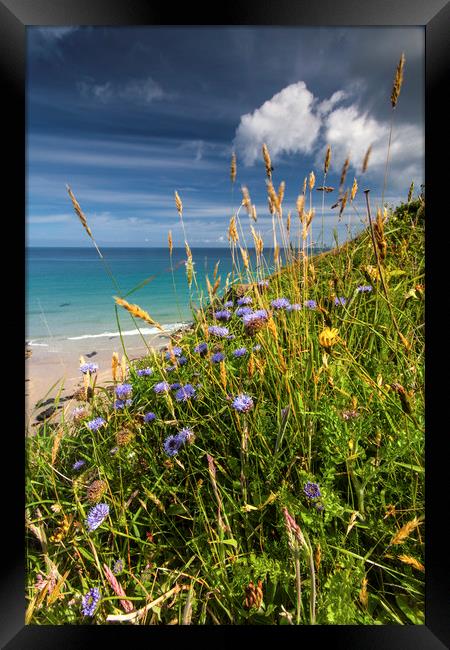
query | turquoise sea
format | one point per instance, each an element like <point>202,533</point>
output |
<point>69,293</point>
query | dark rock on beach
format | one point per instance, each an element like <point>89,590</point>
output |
<point>46,414</point>
<point>91,354</point>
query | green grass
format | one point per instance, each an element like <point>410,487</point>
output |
<point>193,534</point>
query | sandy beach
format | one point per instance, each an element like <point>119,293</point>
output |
<point>55,369</point>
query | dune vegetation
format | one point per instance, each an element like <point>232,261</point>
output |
<point>266,468</point>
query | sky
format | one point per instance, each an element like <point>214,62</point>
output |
<point>126,116</point>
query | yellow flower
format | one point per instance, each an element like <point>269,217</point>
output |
<point>328,337</point>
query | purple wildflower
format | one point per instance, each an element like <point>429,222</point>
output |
<point>364,288</point>
<point>170,368</point>
<point>89,601</point>
<point>124,391</point>
<point>242,311</point>
<point>201,348</point>
<point>311,304</point>
<point>245,300</point>
<point>280,303</point>
<point>175,386</point>
<point>240,352</point>
<point>149,417</point>
<point>228,303</point>
<point>340,301</point>
<point>120,403</point>
<point>172,445</point>
<point>185,393</point>
<point>311,490</point>
<point>181,361</point>
<point>176,351</point>
<point>79,412</point>
<point>256,348</point>
<point>145,372</point>
<point>95,424</point>
<point>242,403</point>
<point>223,314</point>
<point>221,332</point>
<point>162,387</point>
<point>118,567</point>
<point>96,516</point>
<point>185,435</point>
<point>258,315</point>
<point>88,368</point>
<point>217,357</point>
<point>78,464</point>
<point>263,284</point>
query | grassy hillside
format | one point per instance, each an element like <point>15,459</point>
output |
<point>280,477</point>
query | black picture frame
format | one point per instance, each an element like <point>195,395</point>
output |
<point>434,15</point>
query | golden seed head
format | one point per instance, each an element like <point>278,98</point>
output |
<point>233,167</point>
<point>288,223</point>
<point>312,181</point>
<point>366,159</point>
<point>232,230</point>
<point>354,189</point>
<point>169,241</point>
<point>79,212</point>
<point>407,559</point>
<point>363,595</point>
<point>300,205</point>
<point>244,257</point>
<point>398,80</point>
<point>344,172</point>
<point>411,190</point>
<point>304,185</point>
<point>327,160</point>
<point>246,202</point>
<point>328,337</point>
<point>405,531</point>
<point>135,310</point>
<point>178,204</point>
<point>254,217</point>
<point>343,204</point>
<point>115,366</point>
<point>267,161</point>
<point>281,192</point>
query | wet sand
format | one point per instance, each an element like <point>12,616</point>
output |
<point>55,369</point>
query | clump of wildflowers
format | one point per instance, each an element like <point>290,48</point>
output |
<point>240,352</point>
<point>280,303</point>
<point>228,303</point>
<point>175,386</point>
<point>186,435</point>
<point>312,490</point>
<point>201,348</point>
<point>340,301</point>
<point>311,304</point>
<point>88,368</point>
<point>242,403</point>
<point>95,424</point>
<point>256,320</point>
<point>89,601</point>
<point>162,387</point>
<point>217,357</point>
<point>145,372</point>
<point>172,445</point>
<point>364,288</point>
<point>245,300</point>
<point>242,311</point>
<point>176,352</point>
<point>216,330</point>
<point>185,393</point>
<point>123,391</point>
<point>120,403</point>
<point>96,516</point>
<point>223,314</point>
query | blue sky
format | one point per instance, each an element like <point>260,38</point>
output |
<point>128,115</point>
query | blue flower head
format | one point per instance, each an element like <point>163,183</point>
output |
<point>240,352</point>
<point>123,391</point>
<point>280,303</point>
<point>172,445</point>
<point>145,372</point>
<point>149,417</point>
<point>162,387</point>
<point>217,357</point>
<point>89,602</point>
<point>221,332</point>
<point>223,314</point>
<point>95,424</point>
<point>201,348</point>
<point>242,403</point>
<point>312,490</point>
<point>96,516</point>
<point>185,393</point>
<point>245,300</point>
<point>88,368</point>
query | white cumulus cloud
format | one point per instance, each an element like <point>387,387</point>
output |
<point>287,123</point>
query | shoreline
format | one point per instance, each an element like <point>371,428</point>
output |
<point>53,370</point>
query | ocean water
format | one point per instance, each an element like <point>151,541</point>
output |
<point>69,294</point>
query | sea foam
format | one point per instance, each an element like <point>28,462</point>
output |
<point>170,327</point>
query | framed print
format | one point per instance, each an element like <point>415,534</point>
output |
<point>229,415</point>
